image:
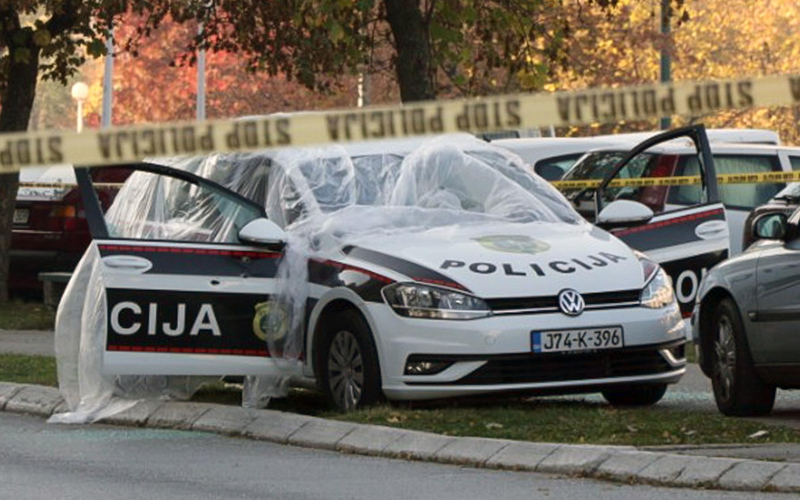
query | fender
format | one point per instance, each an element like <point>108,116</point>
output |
<point>339,293</point>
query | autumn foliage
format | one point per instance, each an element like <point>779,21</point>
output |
<point>710,39</point>
<point>601,45</point>
<point>153,83</point>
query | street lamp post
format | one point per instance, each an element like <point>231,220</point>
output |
<point>80,91</point>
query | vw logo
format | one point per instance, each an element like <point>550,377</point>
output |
<point>570,302</point>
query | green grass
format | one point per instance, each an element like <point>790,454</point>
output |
<point>557,420</point>
<point>28,369</point>
<point>572,421</point>
<point>691,355</point>
<point>21,315</point>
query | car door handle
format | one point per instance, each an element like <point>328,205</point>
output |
<point>711,229</point>
<point>127,264</point>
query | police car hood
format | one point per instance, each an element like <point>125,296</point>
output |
<point>508,259</point>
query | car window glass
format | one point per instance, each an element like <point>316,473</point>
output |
<point>552,169</point>
<point>745,196</point>
<point>158,207</point>
<point>594,166</point>
<point>290,205</point>
<point>795,162</point>
<point>600,164</point>
<point>473,178</point>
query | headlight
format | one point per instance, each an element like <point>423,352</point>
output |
<point>422,301</point>
<point>649,267</point>
<point>658,291</point>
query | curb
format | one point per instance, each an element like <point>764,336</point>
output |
<point>616,463</point>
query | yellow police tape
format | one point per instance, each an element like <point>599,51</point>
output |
<point>763,178</point>
<point>641,102</point>
<point>688,180</point>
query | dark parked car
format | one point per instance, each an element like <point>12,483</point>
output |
<point>50,232</point>
<point>786,201</point>
<point>746,318</point>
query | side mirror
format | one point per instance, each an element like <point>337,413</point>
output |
<point>624,213</point>
<point>771,226</point>
<point>263,232</point>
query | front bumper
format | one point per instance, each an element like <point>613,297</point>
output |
<point>494,354</point>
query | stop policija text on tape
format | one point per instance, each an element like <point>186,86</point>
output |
<point>130,144</point>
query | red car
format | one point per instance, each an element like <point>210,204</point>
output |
<point>50,232</point>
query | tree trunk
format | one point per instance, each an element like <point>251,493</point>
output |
<point>413,63</point>
<point>17,103</point>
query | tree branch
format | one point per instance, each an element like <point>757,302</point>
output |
<point>65,20</point>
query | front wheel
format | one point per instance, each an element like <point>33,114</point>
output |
<point>635,395</point>
<point>738,391</point>
<point>349,372</point>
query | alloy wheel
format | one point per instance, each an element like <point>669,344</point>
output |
<point>725,358</point>
<point>345,370</point>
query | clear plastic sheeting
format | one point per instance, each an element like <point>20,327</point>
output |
<point>324,198</point>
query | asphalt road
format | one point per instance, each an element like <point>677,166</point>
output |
<point>44,461</point>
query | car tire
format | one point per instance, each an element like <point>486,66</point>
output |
<point>349,371</point>
<point>635,395</point>
<point>738,390</point>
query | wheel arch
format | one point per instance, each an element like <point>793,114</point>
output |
<point>333,303</point>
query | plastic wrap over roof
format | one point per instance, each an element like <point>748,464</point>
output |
<point>456,172</point>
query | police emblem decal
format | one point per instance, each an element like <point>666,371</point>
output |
<point>271,321</point>
<point>514,243</point>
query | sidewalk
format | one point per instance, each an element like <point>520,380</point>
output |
<point>31,342</point>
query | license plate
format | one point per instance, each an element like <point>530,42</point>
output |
<point>584,339</point>
<point>21,216</point>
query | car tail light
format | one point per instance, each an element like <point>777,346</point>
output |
<point>65,218</point>
<point>64,211</point>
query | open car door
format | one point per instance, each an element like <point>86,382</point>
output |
<point>686,240</point>
<point>184,293</point>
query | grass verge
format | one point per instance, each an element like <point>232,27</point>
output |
<point>560,420</point>
<point>28,369</point>
<point>573,421</point>
<point>22,315</point>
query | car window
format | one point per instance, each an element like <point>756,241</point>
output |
<point>744,196</point>
<point>795,162</point>
<point>600,164</point>
<point>551,169</point>
<point>594,165</point>
<point>474,177</point>
<point>158,207</point>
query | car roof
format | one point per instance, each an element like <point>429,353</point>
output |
<point>53,174</point>
<point>685,146</point>
<point>534,149</point>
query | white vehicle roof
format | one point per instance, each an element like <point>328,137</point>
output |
<point>54,174</point>
<point>685,146</point>
<point>535,149</point>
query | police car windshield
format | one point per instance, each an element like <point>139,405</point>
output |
<point>473,178</point>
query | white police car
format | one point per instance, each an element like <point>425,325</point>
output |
<point>400,270</point>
